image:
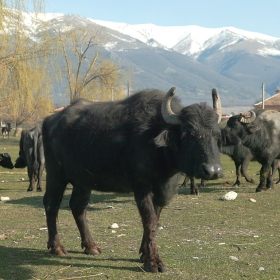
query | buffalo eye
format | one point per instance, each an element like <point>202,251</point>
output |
<point>188,134</point>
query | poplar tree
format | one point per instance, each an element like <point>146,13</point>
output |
<point>24,83</point>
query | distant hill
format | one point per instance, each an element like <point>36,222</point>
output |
<point>192,58</point>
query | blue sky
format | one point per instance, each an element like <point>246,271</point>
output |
<point>252,15</point>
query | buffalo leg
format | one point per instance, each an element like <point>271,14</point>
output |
<point>78,203</point>
<point>244,168</point>
<point>269,183</point>
<point>193,187</point>
<point>278,181</point>
<point>203,183</point>
<point>40,174</point>
<point>275,168</point>
<point>265,178</point>
<point>141,250</point>
<point>52,199</point>
<point>149,249</point>
<point>238,175</point>
<point>32,179</point>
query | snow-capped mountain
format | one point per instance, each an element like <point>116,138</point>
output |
<point>192,58</point>
<point>193,40</point>
<point>244,59</point>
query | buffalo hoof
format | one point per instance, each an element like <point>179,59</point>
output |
<point>39,189</point>
<point>30,189</point>
<point>148,268</point>
<point>260,189</point>
<point>91,248</point>
<point>60,251</point>
<point>235,186</point>
<point>93,251</point>
<point>194,191</point>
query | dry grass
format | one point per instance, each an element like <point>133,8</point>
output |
<point>199,235</point>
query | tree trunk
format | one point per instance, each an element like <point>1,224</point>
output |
<point>18,131</point>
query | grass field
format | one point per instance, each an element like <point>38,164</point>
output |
<point>202,237</point>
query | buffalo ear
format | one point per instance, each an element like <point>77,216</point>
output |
<point>166,138</point>
<point>162,139</point>
<point>254,128</point>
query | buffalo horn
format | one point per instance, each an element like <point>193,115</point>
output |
<point>217,103</point>
<point>168,115</point>
<point>247,117</point>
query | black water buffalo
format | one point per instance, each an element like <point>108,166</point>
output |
<point>241,157</point>
<point>259,131</point>
<point>141,144</point>
<point>5,161</point>
<point>31,154</point>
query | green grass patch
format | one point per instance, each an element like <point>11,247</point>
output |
<point>200,233</point>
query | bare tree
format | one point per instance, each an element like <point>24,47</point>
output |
<point>88,74</point>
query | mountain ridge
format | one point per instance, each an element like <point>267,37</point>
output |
<point>192,58</point>
<point>199,35</point>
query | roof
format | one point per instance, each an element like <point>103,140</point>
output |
<point>272,100</point>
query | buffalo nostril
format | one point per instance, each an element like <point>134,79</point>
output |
<point>208,170</point>
<point>211,171</point>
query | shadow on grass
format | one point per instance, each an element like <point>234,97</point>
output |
<point>34,201</point>
<point>110,198</point>
<point>22,263</point>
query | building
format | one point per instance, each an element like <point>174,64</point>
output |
<point>271,103</point>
